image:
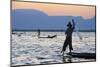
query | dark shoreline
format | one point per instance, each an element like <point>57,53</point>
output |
<point>48,30</point>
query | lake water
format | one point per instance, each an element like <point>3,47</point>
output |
<point>28,49</point>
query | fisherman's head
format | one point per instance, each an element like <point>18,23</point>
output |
<point>69,24</point>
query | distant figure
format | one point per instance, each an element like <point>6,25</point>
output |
<point>68,33</point>
<point>38,33</point>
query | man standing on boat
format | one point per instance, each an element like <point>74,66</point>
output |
<point>68,34</point>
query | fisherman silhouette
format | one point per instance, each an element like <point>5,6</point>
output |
<point>38,33</point>
<point>68,40</point>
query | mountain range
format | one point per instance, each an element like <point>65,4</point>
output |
<point>26,19</point>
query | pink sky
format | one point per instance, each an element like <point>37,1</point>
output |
<point>86,12</point>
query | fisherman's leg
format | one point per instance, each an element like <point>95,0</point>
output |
<point>70,52</point>
<point>64,48</point>
<point>65,45</point>
<point>70,43</point>
<point>70,46</point>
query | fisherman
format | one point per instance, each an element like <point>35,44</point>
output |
<point>68,33</point>
<point>38,33</point>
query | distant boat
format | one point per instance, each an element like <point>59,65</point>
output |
<point>49,36</point>
<point>52,36</point>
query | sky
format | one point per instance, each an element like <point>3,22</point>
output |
<point>86,12</point>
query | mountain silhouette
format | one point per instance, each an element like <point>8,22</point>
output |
<point>35,19</point>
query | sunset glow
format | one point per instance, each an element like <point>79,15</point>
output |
<point>86,12</point>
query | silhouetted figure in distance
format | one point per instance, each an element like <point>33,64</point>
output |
<point>68,40</point>
<point>38,33</point>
